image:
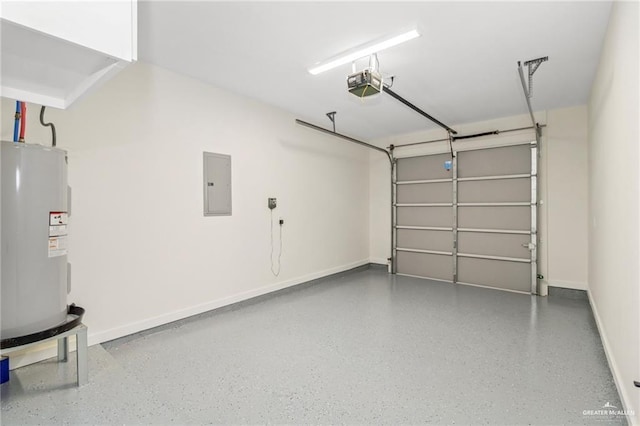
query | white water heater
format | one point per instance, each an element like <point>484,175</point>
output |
<point>34,236</point>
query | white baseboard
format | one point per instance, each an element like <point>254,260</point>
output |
<point>379,261</point>
<point>116,332</point>
<point>574,285</point>
<point>617,376</point>
<point>48,350</point>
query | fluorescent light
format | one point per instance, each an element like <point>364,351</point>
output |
<point>362,51</point>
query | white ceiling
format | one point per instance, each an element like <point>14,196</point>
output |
<point>462,69</point>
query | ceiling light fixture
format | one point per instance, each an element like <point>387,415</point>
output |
<point>362,51</point>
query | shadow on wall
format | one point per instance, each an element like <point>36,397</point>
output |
<point>326,149</point>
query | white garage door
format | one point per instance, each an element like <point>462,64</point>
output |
<point>469,220</point>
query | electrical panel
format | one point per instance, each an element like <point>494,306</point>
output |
<point>217,184</point>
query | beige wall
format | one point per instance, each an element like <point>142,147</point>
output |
<point>562,180</point>
<point>143,254</point>
<point>566,197</point>
<point>614,213</point>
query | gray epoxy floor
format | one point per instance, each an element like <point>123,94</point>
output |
<point>360,348</point>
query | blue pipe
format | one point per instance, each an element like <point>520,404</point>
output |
<point>16,126</point>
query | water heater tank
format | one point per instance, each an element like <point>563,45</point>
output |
<point>33,238</point>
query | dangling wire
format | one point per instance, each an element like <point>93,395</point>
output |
<point>389,86</point>
<point>273,271</point>
<point>451,144</point>
<point>374,64</point>
<point>363,93</point>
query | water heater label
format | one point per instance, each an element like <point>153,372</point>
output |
<point>57,246</point>
<point>58,218</point>
<point>55,231</point>
<point>58,222</point>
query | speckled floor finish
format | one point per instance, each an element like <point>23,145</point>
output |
<point>359,348</point>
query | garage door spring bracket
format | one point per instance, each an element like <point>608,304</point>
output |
<point>532,66</point>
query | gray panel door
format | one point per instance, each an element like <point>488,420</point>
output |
<point>473,222</point>
<point>217,184</point>
<point>494,217</point>
<point>424,199</point>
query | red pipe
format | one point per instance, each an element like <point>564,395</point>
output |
<point>23,121</point>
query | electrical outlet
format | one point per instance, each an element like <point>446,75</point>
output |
<point>272,203</point>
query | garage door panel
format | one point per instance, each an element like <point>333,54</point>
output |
<point>517,217</point>
<point>424,216</point>
<point>434,266</point>
<point>505,245</point>
<point>511,160</point>
<point>423,168</point>
<point>425,193</point>
<point>495,273</point>
<point>425,239</point>
<point>491,191</point>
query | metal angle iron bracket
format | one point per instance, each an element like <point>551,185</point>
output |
<point>532,67</point>
<point>332,117</point>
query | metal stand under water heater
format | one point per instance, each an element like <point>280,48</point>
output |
<point>34,233</point>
